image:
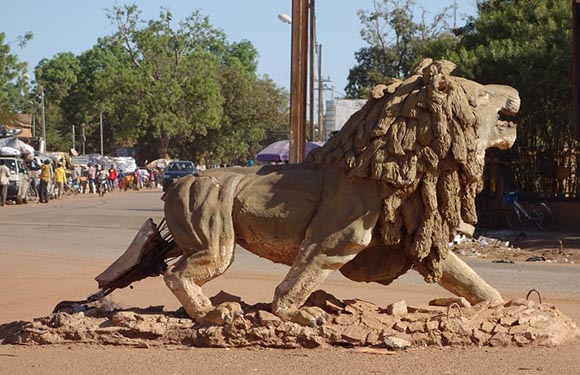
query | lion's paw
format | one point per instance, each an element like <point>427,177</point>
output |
<point>308,316</point>
<point>225,313</point>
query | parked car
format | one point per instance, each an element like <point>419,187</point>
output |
<point>175,170</point>
<point>19,179</point>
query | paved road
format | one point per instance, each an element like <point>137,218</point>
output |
<point>103,227</point>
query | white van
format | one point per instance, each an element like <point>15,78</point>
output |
<point>19,179</point>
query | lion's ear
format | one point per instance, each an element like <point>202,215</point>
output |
<point>437,67</point>
<point>418,69</point>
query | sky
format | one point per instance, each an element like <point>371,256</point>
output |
<point>75,25</point>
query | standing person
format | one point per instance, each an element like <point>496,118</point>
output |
<point>45,173</point>
<point>4,181</point>
<point>137,180</point>
<point>92,178</point>
<point>60,180</point>
<point>112,178</point>
<point>121,180</point>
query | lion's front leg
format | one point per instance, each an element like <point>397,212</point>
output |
<point>341,228</point>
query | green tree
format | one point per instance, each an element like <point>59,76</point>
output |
<point>57,78</point>
<point>172,75</point>
<point>14,87</point>
<point>396,41</point>
<point>179,92</point>
<point>253,108</point>
<point>527,45</point>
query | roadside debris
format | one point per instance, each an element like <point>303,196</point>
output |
<point>355,323</point>
<point>503,261</point>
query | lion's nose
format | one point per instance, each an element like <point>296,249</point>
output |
<point>512,105</point>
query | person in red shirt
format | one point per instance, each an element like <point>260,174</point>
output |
<point>112,178</point>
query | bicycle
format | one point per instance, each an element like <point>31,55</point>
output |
<point>538,213</point>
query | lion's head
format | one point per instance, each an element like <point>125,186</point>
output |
<point>424,138</point>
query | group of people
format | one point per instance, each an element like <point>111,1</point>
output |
<point>92,178</point>
<point>98,178</point>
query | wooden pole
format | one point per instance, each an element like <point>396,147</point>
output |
<point>312,53</point>
<point>298,78</point>
<point>321,137</point>
<point>576,68</point>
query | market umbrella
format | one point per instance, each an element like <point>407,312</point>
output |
<point>158,164</point>
<point>280,151</point>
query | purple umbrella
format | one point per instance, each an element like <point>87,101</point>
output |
<point>280,151</point>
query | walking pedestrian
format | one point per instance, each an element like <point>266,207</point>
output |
<point>4,181</point>
<point>112,178</point>
<point>59,180</point>
<point>92,179</point>
<point>45,172</point>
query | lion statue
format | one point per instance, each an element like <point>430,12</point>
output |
<point>384,195</point>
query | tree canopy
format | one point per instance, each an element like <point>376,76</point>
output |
<point>14,89</point>
<point>521,43</point>
<point>170,88</point>
<point>396,42</point>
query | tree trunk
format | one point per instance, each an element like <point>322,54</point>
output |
<point>163,146</point>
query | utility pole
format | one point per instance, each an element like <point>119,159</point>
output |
<point>576,67</point>
<point>298,77</point>
<point>312,45</point>
<point>321,137</point>
<point>84,138</point>
<point>43,144</point>
<point>101,125</point>
<point>73,138</point>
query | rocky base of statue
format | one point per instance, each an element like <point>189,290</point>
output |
<point>352,323</point>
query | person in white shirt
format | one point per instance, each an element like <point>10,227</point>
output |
<point>4,181</point>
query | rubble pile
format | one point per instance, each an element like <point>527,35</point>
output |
<point>352,323</point>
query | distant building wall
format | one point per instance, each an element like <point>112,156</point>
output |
<point>24,123</point>
<point>339,111</point>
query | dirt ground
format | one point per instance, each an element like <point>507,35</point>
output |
<point>523,246</point>
<point>32,282</point>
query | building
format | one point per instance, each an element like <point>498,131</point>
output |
<point>338,112</point>
<point>24,122</point>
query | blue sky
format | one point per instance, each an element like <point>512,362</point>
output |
<point>75,25</point>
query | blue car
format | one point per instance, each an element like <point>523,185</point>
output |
<point>175,170</point>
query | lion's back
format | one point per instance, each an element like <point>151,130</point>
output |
<point>270,207</point>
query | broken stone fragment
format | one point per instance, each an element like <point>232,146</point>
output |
<point>325,301</point>
<point>397,308</point>
<point>432,325</point>
<point>448,301</point>
<point>392,342</point>
<point>521,302</point>
<point>265,318</point>
<point>401,326</point>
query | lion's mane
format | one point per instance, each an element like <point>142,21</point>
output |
<point>418,137</point>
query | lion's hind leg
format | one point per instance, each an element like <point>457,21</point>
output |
<point>199,215</point>
<point>463,281</point>
<point>185,278</point>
